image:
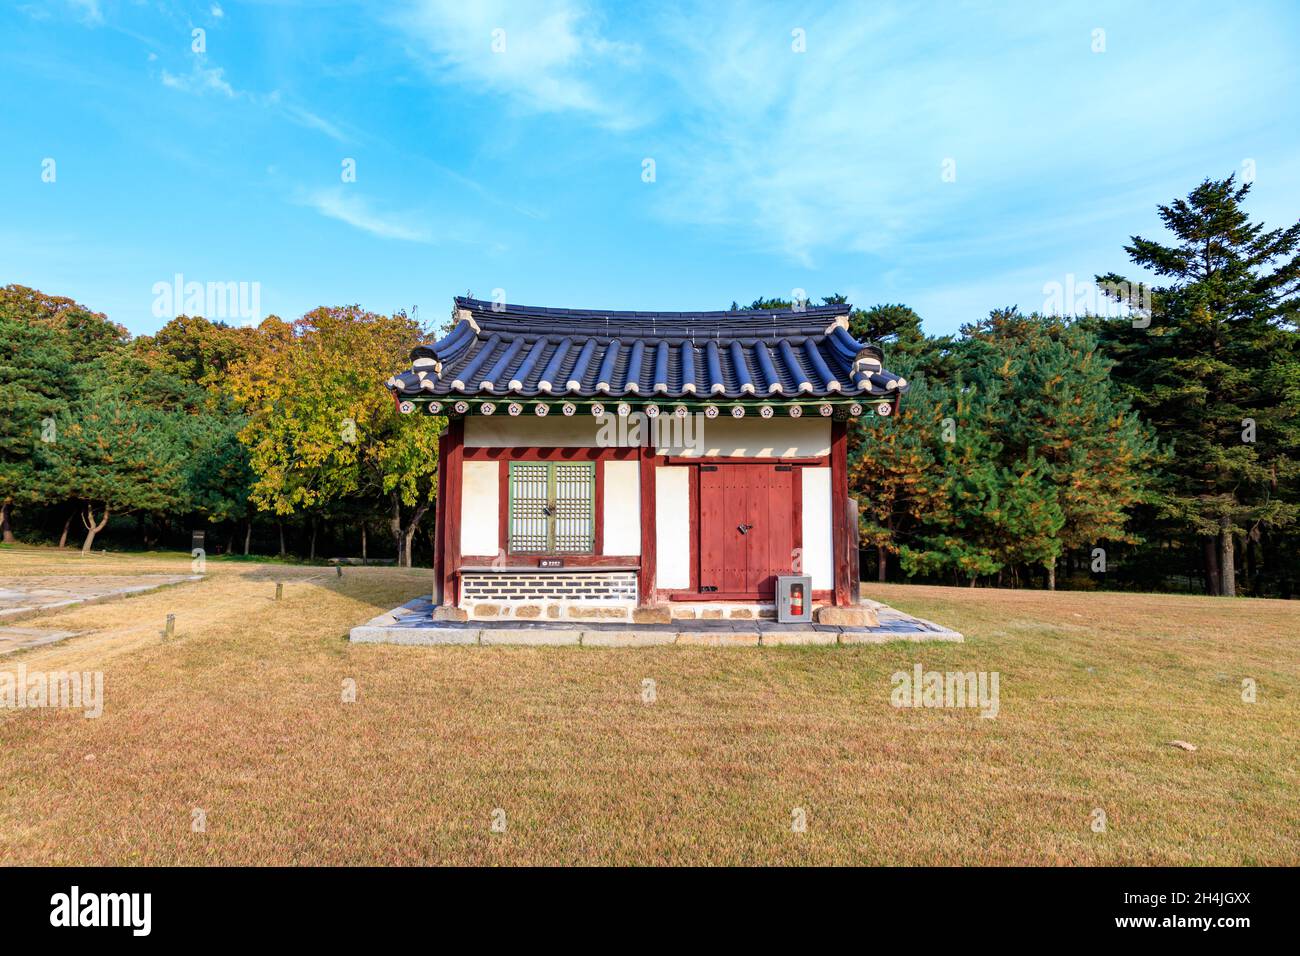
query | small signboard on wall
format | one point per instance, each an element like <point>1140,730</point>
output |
<point>550,562</point>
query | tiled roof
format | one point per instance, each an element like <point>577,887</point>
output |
<point>530,352</point>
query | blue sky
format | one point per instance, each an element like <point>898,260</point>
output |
<point>521,168</point>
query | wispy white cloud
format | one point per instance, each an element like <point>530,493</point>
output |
<point>356,210</point>
<point>89,10</point>
<point>543,56</point>
<point>201,79</point>
<point>841,147</point>
<point>309,120</point>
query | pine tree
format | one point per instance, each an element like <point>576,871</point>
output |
<point>33,362</point>
<point>992,514</point>
<point>1214,371</point>
<point>892,467</point>
<point>1066,415</point>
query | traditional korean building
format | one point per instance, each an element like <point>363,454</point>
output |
<point>644,466</point>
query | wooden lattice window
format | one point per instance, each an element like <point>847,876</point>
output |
<point>552,507</point>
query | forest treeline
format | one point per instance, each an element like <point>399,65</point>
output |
<point>1152,447</point>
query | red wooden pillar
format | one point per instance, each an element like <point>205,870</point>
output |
<point>645,581</point>
<point>842,537</point>
<point>451,459</point>
<point>440,519</point>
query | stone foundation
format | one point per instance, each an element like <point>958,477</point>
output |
<point>419,622</point>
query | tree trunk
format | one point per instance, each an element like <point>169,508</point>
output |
<point>6,529</point>
<point>395,525</point>
<point>67,526</point>
<point>414,526</point>
<point>92,528</point>
<point>312,555</point>
<point>280,525</point>
<point>1211,566</point>
<point>363,542</point>
<point>1227,558</point>
<point>248,534</point>
<point>1051,575</point>
<point>882,564</point>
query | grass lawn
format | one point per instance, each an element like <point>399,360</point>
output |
<point>241,716</point>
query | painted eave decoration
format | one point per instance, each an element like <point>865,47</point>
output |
<point>513,358</point>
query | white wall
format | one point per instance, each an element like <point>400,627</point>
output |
<point>818,550</point>
<point>480,508</point>
<point>622,514</point>
<point>672,527</point>
<point>527,430</point>
<point>754,437</point>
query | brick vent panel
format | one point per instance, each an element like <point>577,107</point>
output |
<point>589,587</point>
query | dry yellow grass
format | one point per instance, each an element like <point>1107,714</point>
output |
<point>241,716</point>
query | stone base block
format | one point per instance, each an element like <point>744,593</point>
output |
<point>445,612</point>
<point>652,614</point>
<point>848,616</point>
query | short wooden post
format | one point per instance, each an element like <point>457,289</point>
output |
<point>170,629</point>
<point>279,590</point>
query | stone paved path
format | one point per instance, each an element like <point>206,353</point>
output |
<point>26,597</point>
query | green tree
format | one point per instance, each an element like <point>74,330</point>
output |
<point>989,515</point>
<point>1064,413</point>
<point>47,345</point>
<point>115,458</point>
<point>321,427</point>
<point>893,470</point>
<point>33,363</point>
<point>1215,369</point>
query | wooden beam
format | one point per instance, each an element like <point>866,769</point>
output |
<point>846,591</point>
<point>550,454</point>
<point>646,577</point>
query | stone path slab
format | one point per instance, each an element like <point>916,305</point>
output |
<point>31,596</point>
<point>413,623</point>
<point>17,638</point>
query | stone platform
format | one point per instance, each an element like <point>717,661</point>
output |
<point>413,623</point>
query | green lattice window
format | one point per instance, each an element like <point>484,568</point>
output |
<point>552,507</point>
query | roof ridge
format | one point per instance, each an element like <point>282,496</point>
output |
<point>502,309</point>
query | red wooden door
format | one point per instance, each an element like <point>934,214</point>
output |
<point>745,527</point>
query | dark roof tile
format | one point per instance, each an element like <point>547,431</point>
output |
<point>514,349</point>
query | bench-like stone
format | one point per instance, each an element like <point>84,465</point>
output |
<point>793,638</point>
<point>530,636</point>
<point>718,638</point>
<point>378,634</point>
<point>628,638</point>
